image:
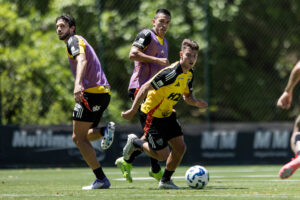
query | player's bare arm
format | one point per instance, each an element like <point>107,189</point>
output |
<point>190,99</point>
<point>286,98</point>
<point>137,54</point>
<point>140,96</point>
<point>294,78</point>
<point>80,70</point>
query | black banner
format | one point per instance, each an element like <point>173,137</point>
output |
<point>52,146</point>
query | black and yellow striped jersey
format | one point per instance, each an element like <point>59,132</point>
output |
<point>169,84</point>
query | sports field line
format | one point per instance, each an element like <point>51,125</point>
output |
<point>218,177</point>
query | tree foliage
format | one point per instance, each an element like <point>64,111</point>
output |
<point>253,46</point>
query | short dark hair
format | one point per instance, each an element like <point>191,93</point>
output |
<point>163,11</point>
<point>189,43</point>
<point>69,19</point>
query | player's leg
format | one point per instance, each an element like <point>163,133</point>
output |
<point>79,137</point>
<point>95,133</point>
<point>135,144</point>
<point>83,120</point>
<point>174,135</point>
<point>155,170</point>
<point>173,161</point>
<point>288,169</point>
<point>125,162</point>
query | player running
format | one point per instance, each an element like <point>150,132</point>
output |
<point>92,96</point>
<point>150,54</point>
<point>161,127</point>
<point>285,102</point>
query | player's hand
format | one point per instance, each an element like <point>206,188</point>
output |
<point>78,94</point>
<point>128,114</point>
<point>163,61</point>
<point>285,100</point>
<point>201,104</point>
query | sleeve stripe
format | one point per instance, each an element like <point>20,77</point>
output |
<point>170,75</point>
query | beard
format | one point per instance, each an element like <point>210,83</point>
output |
<point>66,35</point>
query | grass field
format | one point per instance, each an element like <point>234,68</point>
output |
<point>226,182</point>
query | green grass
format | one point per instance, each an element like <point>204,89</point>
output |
<point>226,182</point>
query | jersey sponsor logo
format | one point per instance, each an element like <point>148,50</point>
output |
<point>141,40</point>
<point>160,141</point>
<point>158,84</point>
<point>96,108</point>
<point>74,51</point>
<point>174,96</point>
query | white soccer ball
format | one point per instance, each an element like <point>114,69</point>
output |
<point>197,177</point>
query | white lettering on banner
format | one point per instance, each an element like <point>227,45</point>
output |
<point>219,140</point>
<point>262,140</point>
<point>280,139</point>
<point>43,141</point>
<point>209,140</point>
<point>228,140</point>
<point>271,144</point>
<point>271,139</point>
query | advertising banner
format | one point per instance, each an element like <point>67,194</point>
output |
<point>217,144</point>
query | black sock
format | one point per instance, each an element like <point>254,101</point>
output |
<point>133,156</point>
<point>166,176</point>
<point>99,173</point>
<point>138,143</point>
<point>155,167</point>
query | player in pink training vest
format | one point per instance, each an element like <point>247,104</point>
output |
<point>91,95</point>
<point>150,54</point>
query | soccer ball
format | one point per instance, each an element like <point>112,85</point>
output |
<point>197,177</point>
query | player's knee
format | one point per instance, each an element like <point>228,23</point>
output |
<point>77,140</point>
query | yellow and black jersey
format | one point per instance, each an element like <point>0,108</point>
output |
<point>169,84</point>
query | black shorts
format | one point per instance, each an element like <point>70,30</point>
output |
<point>93,110</point>
<point>158,131</point>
